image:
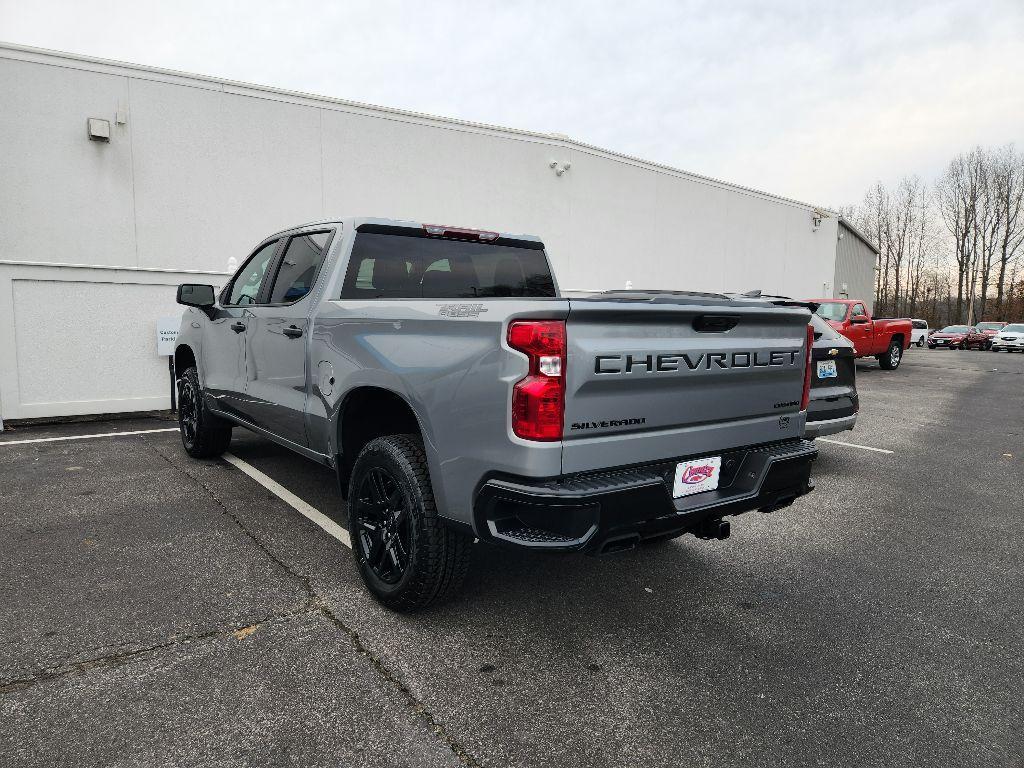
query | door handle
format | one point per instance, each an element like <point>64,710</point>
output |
<point>292,332</point>
<point>238,327</point>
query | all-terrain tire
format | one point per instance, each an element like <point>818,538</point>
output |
<point>203,434</point>
<point>892,358</point>
<point>408,557</point>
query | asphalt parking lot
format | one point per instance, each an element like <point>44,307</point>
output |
<point>156,610</point>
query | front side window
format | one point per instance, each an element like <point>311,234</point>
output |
<point>246,287</point>
<point>385,265</point>
<point>299,266</point>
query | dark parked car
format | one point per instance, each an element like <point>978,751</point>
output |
<point>834,403</point>
<point>959,337</point>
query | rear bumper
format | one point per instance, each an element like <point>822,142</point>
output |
<point>828,415</point>
<point>829,426</point>
<point>600,512</point>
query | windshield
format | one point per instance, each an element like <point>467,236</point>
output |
<point>1015,328</point>
<point>990,326</point>
<point>831,310</point>
<point>955,329</point>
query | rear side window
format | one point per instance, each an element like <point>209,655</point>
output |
<point>299,266</point>
<point>246,287</point>
<point>920,324</point>
<point>396,266</point>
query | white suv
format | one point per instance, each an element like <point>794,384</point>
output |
<point>1010,338</point>
<point>919,332</point>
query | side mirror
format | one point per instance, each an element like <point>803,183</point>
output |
<point>192,295</point>
<point>859,319</point>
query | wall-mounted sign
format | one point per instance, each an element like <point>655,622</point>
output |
<point>166,333</point>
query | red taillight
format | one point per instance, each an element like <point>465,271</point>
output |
<point>806,399</point>
<point>538,400</point>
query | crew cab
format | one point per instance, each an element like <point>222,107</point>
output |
<point>459,395</point>
<point>885,339</point>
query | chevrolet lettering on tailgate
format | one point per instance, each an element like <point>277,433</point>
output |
<point>706,361</point>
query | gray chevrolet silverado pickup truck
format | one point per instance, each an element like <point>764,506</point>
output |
<point>459,396</point>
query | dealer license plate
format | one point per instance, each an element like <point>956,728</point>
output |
<point>696,476</point>
<point>827,369</point>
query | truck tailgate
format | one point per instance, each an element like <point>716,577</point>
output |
<point>650,378</point>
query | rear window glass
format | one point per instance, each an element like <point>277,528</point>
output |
<point>390,266</point>
<point>832,310</point>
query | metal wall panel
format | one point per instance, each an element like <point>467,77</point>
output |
<point>855,268</point>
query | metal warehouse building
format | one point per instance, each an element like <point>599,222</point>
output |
<point>117,182</point>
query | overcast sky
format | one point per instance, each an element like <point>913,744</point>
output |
<point>810,100</point>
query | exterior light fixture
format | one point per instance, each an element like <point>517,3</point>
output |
<point>558,168</point>
<point>99,129</point>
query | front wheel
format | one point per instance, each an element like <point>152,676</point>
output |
<point>406,555</point>
<point>203,434</point>
<point>892,358</point>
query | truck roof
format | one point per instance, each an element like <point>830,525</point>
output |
<point>357,221</point>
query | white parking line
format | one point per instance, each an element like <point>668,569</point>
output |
<point>87,437</point>
<point>289,498</point>
<point>854,445</point>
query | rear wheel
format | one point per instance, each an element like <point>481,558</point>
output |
<point>408,558</point>
<point>890,361</point>
<point>203,434</point>
<point>920,343</point>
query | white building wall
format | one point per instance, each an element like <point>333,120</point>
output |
<point>202,169</point>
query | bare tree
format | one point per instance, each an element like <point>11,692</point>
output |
<point>1008,194</point>
<point>957,194</point>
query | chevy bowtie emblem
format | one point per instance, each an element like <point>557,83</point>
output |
<point>833,352</point>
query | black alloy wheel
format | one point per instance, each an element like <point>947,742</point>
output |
<point>203,433</point>
<point>407,555</point>
<point>188,413</point>
<point>385,530</point>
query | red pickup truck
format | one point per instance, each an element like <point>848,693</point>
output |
<point>883,338</point>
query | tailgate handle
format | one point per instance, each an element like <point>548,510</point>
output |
<point>714,323</point>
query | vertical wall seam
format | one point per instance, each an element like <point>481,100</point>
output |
<point>323,192</point>
<point>131,162</point>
